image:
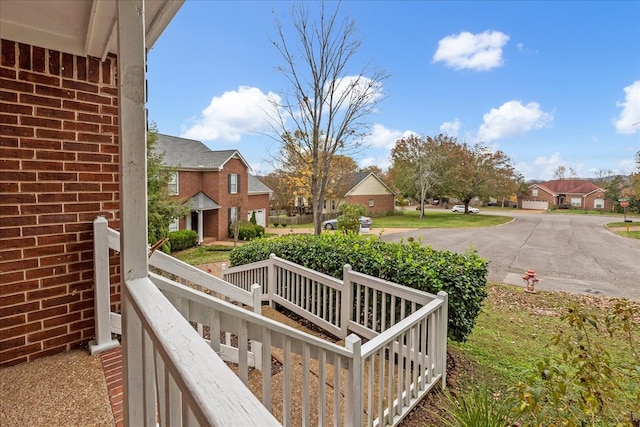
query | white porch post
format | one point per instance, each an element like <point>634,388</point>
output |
<point>101,289</point>
<point>133,194</point>
<point>200,222</point>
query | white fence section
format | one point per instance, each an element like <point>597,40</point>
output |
<point>406,354</point>
<point>181,336</point>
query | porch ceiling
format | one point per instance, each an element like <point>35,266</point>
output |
<point>85,28</point>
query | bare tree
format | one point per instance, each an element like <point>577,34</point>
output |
<point>560,172</point>
<point>325,114</point>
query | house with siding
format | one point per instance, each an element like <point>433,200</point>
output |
<point>573,193</point>
<point>216,185</point>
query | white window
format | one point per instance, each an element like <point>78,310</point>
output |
<point>174,225</point>
<point>534,192</point>
<point>598,203</point>
<point>234,183</point>
<point>233,214</point>
<point>173,184</point>
<point>324,204</point>
<point>576,202</point>
<point>370,203</point>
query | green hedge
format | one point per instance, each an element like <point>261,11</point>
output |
<point>462,276</point>
<point>183,239</point>
<point>246,230</point>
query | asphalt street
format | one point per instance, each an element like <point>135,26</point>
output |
<point>571,253</point>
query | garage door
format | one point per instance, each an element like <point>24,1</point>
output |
<point>260,217</point>
<point>535,204</point>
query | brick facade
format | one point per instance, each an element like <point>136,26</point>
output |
<point>214,184</point>
<point>382,203</point>
<point>59,157</point>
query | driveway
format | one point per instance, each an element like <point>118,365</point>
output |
<point>571,253</point>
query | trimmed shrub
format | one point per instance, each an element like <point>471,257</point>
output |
<point>183,239</point>
<point>462,276</point>
<point>246,230</point>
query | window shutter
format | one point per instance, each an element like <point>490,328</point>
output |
<point>238,184</point>
<point>229,183</point>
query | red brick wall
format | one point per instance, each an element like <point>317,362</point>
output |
<point>59,157</point>
<point>382,203</point>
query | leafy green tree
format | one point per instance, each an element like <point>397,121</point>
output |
<point>163,209</point>
<point>421,165</point>
<point>477,171</point>
<point>349,219</point>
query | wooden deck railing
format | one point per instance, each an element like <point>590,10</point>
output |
<point>182,337</point>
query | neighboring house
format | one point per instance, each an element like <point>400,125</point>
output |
<point>60,150</point>
<point>216,185</point>
<point>367,189</point>
<point>574,193</point>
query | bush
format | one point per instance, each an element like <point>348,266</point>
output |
<point>183,239</point>
<point>462,276</point>
<point>246,230</point>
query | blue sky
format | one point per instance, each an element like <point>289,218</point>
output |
<point>549,83</point>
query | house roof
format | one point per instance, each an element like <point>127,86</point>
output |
<point>185,153</point>
<point>567,186</point>
<point>84,28</point>
<point>258,187</point>
<point>359,177</point>
<point>201,202</point>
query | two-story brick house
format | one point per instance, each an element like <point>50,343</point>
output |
<point>216,185</point>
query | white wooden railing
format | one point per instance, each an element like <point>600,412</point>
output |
<point>184,335</point>
<point>406,354</point>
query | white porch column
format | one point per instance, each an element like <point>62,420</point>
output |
<point>200,222</point>
<point>133,194</point>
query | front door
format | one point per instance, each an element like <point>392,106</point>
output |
<point>194,221</point>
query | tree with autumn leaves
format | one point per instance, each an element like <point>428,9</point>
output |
<point>425,167</point>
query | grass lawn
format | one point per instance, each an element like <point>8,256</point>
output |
<point>620,228</point>
<point>204,254</point>
<point>438,218</point>
<point>515,330</point>
<point>433,218</point>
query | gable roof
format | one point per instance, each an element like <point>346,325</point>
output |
<point>358,178</point>
<point>185,153</point>
<point>258,187</point>
<point>567,186</point>
<point>201,202</point>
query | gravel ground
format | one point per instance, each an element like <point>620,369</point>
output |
<point>67,389</point>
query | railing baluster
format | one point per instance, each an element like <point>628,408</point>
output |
<point>266,372</point>
<point>322,387</point>
<point>306,386</point>
<point>337,368</point>
<point>286,385</point>
<point>243,350</point>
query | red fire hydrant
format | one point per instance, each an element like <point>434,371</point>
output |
<point>530,281</point>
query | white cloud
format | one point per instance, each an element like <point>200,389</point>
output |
<point>478,52</point>
<point>628,120</point>
<point>357,87</point>
<point>382,137</point>
<point>382,162</point>
<point>232,115</point>
<point>451,128</point>
<point>512,119</point>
